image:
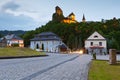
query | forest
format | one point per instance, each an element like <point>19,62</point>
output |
<point>74,34</point>
<point>6,32</point>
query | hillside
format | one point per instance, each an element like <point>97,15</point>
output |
<point>17,32</point>
<point>74,35</point>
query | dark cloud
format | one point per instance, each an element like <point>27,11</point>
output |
<point>10,22</point>
<point>10,5</point>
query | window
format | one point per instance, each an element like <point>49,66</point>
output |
<point>95,36</point>
<point>91,43</point>
<point>100,43</point>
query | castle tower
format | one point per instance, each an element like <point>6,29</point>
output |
<point>83,19</point>
<point>71,16</point>
<point>58,10</point>
<point>58,15</point>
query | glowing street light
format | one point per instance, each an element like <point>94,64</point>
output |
<point>81,51</point>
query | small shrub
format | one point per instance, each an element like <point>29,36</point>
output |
<point>15,45</point>
<point>94,56</point>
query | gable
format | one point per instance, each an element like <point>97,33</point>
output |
<point>96,36</point>
<point>12,36</point>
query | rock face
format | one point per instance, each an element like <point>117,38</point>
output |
<point>58,10</point>
<point>58,15</point>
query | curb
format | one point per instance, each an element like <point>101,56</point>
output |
<point>15,57</point>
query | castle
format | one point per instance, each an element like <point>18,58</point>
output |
<point>59,17</point>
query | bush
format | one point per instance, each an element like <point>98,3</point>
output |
<point>94,56</point>
<point>15,45</point>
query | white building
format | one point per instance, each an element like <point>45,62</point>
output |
<point>13,40</point>
<point>47,41</point>
<point>96,43</point>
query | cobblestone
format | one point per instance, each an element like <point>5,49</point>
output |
<point>72,70</point>
<point>53,67</point>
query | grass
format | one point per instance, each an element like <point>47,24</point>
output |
<point>8,52</point>
<point>102,70</point>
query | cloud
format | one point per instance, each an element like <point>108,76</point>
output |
<point>16,9</point>
<point>33,15</point>
<point>15,15</point>
<point>11,5</point>
<point>10,22</point>
<point>13,19</point>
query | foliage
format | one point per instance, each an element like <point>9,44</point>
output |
<point>101,70</point>
<point>75,34</point>
<point>94,56</point>
<point>17,32</point>
<point>57,18</point>
<point>29,35</point>
<point>1,35</point>
<point>15,45</point>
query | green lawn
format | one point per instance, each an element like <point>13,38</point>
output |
<point>101,70</point>
<point>18,52</point>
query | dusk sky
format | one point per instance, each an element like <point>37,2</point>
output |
<point>31,14</point>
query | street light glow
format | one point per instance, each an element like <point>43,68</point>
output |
<point>81,51</point>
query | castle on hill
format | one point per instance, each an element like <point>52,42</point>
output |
<point>59,17</point>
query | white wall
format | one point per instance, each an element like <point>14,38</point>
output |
<point>96,38</point>
<point>49,46</point>
<point>95,43</point>
<point>10,42</point>
<point>96,34</point>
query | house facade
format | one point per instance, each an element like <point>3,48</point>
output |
<point>12,40</point>
<point>47,41</point>
<point>3,42</point>
<point>96,43</point>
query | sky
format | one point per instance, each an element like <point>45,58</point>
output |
<point>31,14</point>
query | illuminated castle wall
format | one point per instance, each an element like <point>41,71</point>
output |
<point>59,17</point>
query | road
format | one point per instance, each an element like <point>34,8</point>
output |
<point>52,67</point>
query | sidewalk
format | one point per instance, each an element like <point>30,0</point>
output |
<point>106,57</point>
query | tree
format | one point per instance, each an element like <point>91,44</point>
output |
<point>75,34</point>
<point>1,35</point>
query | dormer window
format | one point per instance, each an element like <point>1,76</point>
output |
<point>95,36</point>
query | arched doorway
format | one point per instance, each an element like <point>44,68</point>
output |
<point>37,46</point>
<point>42,46</point>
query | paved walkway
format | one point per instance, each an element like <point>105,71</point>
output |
<point>54,67</point>
<point>106,57</point>
<point>76,69</point>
